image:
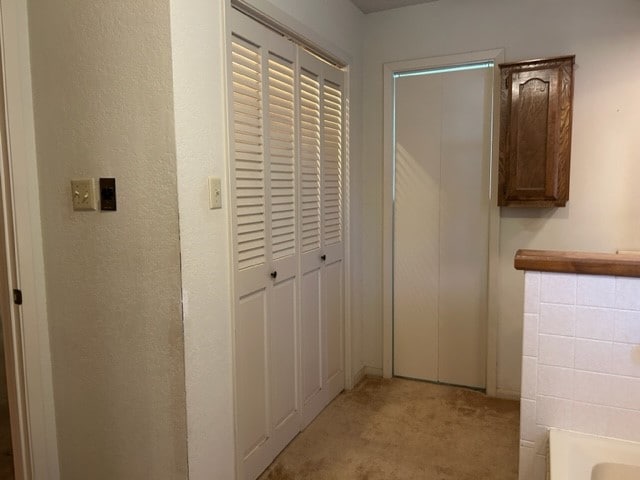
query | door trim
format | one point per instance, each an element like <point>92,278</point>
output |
<point>497,56</point>
<point>37,423</point>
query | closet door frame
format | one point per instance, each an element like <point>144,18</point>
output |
<point>390,69</point>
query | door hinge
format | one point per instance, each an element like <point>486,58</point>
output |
<point>17,296</point>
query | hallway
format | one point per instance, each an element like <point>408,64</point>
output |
<point>404,429</point>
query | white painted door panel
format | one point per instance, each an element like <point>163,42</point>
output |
<point>264,226</point>
<point>311,324</point>
<point>285,411</point>
<point>416,218</point>
<point>283,351</point>
<point>334,321</point>
<point>441,219</point>
<point>464,228</point>
<point>321,159</point>
<point>251,364</point>
<point>287,182</point>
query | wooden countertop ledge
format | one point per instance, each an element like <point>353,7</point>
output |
<point>622,264</point>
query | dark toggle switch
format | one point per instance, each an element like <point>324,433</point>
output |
<point>108,194</point>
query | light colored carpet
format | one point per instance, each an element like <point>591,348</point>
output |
<point>403,429</point>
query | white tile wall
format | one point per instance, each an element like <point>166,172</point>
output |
<point>530,335</point>
<point>555,381</point>
<point>627,326</point>
<point>557,319</point>
<point>558,288</point>
<point>627,297</point>
<point>594,323</point>
<point>593,355</point>
<point>596,291</point>
<point>581,361</point>
<point>556,350</point>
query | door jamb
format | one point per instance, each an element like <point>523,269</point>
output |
<point>497,56</point>
<point>29,321</point>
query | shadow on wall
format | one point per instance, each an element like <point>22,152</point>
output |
<point>543,214</point>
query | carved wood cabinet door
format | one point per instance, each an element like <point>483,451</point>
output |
<point>535,132</point>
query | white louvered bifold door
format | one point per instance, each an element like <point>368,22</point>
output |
<point>264,182</point>
<point>321,233</point>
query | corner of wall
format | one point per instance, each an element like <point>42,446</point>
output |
<point>199,88</point>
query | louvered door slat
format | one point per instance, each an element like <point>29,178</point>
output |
<point>248,148</point>
<point>282,157</point>
<point>332,163</point>
<point>310,160</point>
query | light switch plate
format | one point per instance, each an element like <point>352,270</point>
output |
<point>83,194</point>
<point>215,193</point>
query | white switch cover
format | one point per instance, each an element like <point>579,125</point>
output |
<point>83,194</point>
<point>215,193</point>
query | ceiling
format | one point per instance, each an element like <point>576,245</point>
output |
<point>369,6</point>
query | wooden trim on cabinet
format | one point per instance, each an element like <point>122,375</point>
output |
<point>622,265</point>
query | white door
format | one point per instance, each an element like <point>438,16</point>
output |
<point>321,233</point>
<point>264,225</point>
<point>287,176</point>
<point>441,225</point>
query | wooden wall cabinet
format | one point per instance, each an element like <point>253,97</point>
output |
<point>535,132</point>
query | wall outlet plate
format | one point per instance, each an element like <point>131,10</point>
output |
<point>83,194</point>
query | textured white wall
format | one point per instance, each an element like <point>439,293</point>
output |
<point>197,28</point>
<point>604,209</point>
<point>581,361</point>
<point>103,107</point>
<point>197,31</point>
<point>337,24</point>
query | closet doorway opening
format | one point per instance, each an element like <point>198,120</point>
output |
<point>442,231</point>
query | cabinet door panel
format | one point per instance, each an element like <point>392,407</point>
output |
<point>535,132</point>
<point>533,135</point>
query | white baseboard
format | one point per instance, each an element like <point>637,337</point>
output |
<point>358,376</point>
<point>507,394</point>
<point>366,372</point>
<point>372,371</point>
